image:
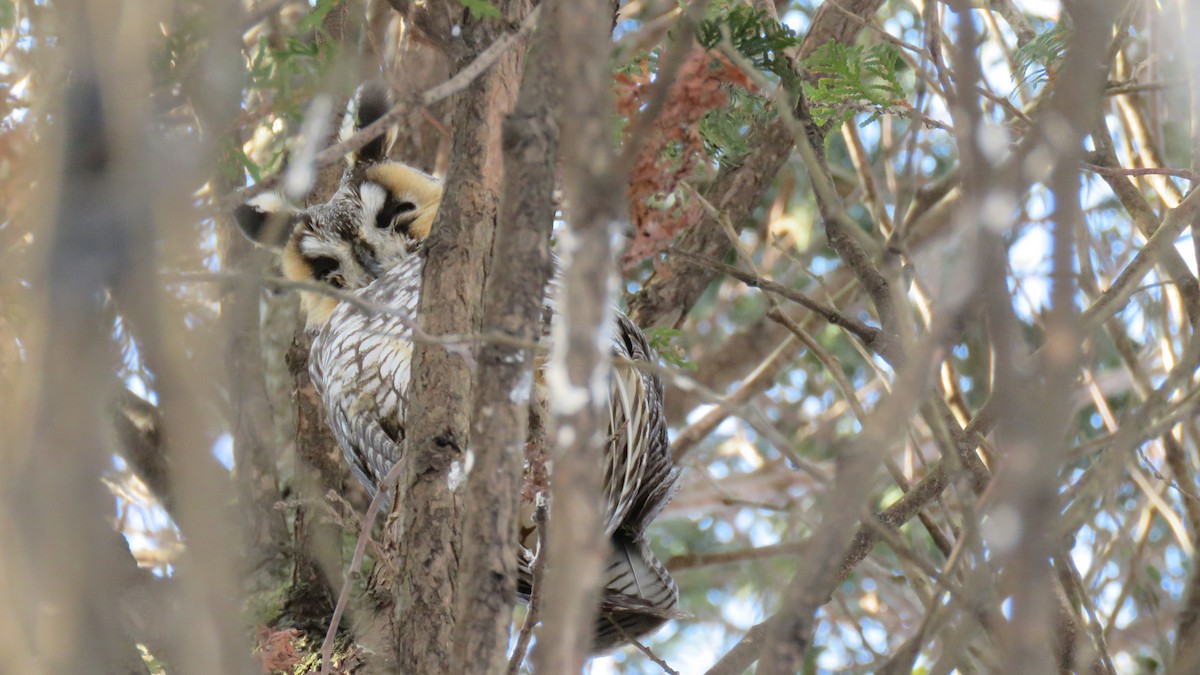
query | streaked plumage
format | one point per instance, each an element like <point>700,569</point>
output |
<point>365,239</point>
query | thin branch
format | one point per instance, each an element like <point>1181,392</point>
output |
<point>870,336</point>
<point>533,614</point>
<point>687,561</point>
<point>854,247</point>
<point>653,657</point>
<point>1161,242</point>
<point>1110,171</point>
<point>360,549</point>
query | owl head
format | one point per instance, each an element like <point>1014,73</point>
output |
<point>379,215</point>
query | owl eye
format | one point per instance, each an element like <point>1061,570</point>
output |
<point>391,210</point>
<point>323,267</point>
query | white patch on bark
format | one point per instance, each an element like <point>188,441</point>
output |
<point>565,397</point>
<point>520,393</point>
<point>567,244</point>
<point>598,382</point>
<point>1039,163</point>
<point>460,470</point>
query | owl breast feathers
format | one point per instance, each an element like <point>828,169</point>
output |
<point>365,241</point>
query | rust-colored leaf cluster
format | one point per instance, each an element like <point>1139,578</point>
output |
<point>673,149</point>
<point>277,649</point>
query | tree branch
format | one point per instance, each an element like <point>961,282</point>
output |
<point>513,304</point>
<point>580,362</point>
<point>438,418</point>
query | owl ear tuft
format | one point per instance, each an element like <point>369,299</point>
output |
<point>371,102</point>
<point>265,220</point>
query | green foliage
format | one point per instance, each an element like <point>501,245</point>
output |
<point>316,17</point>
<point>232,161</point>
<point>810,659</point>
<point>850,75</point>
<point>481,8</point>
<point>724,129</point>
<point>761,40</point>
<point>288,69</point>
<point>1176,138</point>
<point>1148,664</point>
<point>662,340</point>
<point>757,37</point>
<point>1037,60</point>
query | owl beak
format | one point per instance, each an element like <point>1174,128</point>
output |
<point>365,255</point>
<point>375,268</point>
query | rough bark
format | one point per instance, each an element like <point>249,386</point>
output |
<point>439,416</point>
<point>504,378</point>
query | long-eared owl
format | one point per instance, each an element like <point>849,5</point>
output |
<point>366,241</point>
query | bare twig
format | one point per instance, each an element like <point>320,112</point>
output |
<point>870,335</point>
<point>1109,171</point>
<point>533,614</point>
<point>687,561</point>
<point>1127,282</point>
<point>352,573</point>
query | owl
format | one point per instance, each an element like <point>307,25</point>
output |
<point>366,243</point>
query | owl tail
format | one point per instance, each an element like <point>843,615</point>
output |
<point>638,597</point>
<point>639,594</point>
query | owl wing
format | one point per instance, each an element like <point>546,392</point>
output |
<point>638,594</point>
<point>370,449</point>
<point>361,365</point>
<point>639,479</point>
<point>639,474</point>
